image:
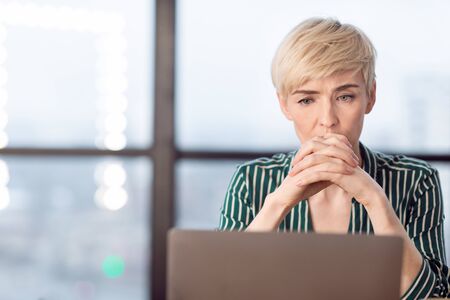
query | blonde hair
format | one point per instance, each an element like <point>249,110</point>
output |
<point>321,47</point>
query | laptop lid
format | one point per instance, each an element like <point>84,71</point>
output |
<point>242,265</point>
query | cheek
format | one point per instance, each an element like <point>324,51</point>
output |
<point>354,126</point>
<point>304,127</point>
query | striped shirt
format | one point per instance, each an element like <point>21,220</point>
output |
<point>412,186</point>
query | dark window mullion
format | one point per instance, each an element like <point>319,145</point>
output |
<point>240,155</point>
<point>164,144</point>
<point>32,151</point>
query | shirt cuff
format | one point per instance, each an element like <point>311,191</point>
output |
<point>423,285</point>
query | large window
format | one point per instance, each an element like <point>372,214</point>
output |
<point>76,120</point>
<point>120,119</point>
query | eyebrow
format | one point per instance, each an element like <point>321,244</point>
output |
<point>339,88</point>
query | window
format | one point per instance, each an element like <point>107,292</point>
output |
<point>76,100</point>
<point>76,130</point>
<point>74,228</point>
<point>76,75</point>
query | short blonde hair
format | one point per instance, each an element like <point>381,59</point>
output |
<point>321,47</point>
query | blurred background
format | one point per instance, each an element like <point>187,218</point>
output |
<point>77,115</point>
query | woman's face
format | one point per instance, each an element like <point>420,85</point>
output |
<point>335,104</point>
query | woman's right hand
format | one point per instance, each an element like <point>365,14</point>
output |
<point>316,150</point>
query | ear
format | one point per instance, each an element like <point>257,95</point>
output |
<point>283,106</point>
<point>372,97</point>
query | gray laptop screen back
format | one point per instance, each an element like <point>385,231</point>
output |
<point>237,265</point>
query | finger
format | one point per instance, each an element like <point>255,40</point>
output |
<point>334,141</point>
<point>331,151</point>
<point>329,166</point>
<point>316,187</point>
<point>340,137</point>
<point>338,140</point>
<point>337,152</point>
<point>309,147</point>
<point>319,142</point>
<point>312,178</point>
<point>316,159</point>
<point>323,172</point>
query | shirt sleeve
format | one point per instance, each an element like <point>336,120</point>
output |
<point>236,212</point>
<point>426,230</point>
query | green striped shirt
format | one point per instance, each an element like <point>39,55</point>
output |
<point>411,185</point>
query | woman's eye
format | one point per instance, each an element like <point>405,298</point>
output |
<point>305,101</point>
<point>346,98</point>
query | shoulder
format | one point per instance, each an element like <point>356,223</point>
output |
<point>277,161</point>
<point>413,175</point>
<point>265,168</point>
<point>403,163</point>
<point>260,171</point>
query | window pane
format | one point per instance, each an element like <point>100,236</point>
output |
<point>74,228</point>
<point>201,188</point>
<point>224,87</point>
<point>76,74</point>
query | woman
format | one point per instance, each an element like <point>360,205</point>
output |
<point>324,75</point>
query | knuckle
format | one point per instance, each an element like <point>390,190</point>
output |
<point>343,145</point>
<point>312,158</point>
<point>314,144</point>
<point>336,139</point>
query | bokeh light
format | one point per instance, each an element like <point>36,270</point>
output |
<point>115,141</point>
<point>4,174</point>
<point>3,119</point>
<point>115,122</point>
<point>4,197</point>
<point>113,266</point>
<point>3,139</point>
<point>111,198</point>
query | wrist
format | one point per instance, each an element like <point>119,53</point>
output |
<point>270,215</point>
<point>376,202</point>
<point>382,215</point>
<point>276,205</point>
<point>372,196</point>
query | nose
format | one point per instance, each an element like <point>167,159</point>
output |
<point>328,116</point>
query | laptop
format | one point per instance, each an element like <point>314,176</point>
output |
<point>214,265</point>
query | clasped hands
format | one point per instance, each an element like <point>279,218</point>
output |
<point>321,162</point>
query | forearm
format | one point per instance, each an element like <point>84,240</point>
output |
<point>270,215</point>
<point>386,222</point>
